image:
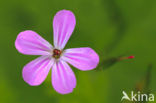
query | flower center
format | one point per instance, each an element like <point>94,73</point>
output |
<point>56,53</point>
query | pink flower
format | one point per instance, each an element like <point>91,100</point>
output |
<point>63,78</point>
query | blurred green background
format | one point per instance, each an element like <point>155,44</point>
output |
<point>111,27</point>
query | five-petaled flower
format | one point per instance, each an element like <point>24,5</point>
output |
<point>63,78</point>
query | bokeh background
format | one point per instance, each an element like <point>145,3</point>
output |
<point>112,28</point>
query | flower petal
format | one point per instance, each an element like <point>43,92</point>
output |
<point>35,72</point>
<point>63,26</point>
<point>63,78</point>
<point>30,43</point>
<point>82,58</point>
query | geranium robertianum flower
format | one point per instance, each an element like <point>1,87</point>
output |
<point>63,78</point>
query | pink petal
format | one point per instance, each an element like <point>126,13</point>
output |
<point>63,26</point>
<point>82,58</point>
<point>63,78</point>
<point>30,43</point>
<point>35,72</point>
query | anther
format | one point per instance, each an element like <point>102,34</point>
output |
<point>56,53</point>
